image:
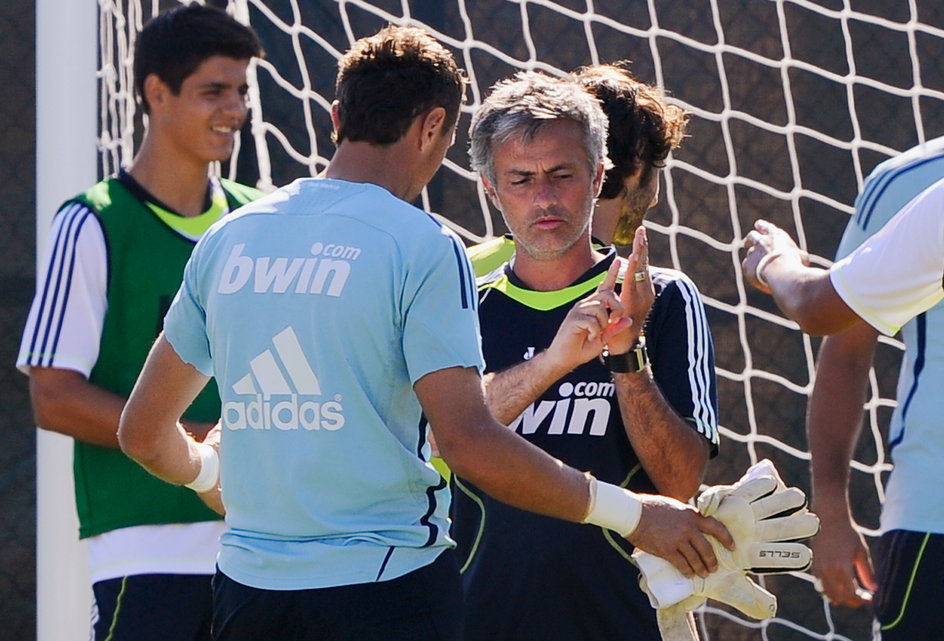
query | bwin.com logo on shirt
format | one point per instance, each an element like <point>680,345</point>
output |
<point>284,392</point>
<point>324,272</point>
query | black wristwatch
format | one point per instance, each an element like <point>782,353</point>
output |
<point>635,360</point>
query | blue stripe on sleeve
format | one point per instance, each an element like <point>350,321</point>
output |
<point>52,304</point>
<point>922,346</point>
<point>466,285</point>
<point>875,188</point>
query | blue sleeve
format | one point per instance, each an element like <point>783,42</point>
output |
<point>185,322</point>
<point>891,185</point>
<point>682,354</point>
<point>440,310</point>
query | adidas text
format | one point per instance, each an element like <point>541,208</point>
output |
<point>288,414</point>
<point>282,391</point>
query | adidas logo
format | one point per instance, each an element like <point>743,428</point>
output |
<point>282,373</point>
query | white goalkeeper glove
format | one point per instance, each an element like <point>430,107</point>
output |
<point>766,519</point>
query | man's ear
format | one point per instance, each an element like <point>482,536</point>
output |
<point>156,91</point>
<point>646,178</point>
<point>335,116</point>
<point>432,126</point>
<point>598,180</point>
<point>490,191</point>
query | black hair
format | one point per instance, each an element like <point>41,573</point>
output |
<point>173,44</point>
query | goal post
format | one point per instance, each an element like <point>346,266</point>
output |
<point>66,134</point>
<point>792,103</point>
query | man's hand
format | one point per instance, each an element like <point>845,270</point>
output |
<point>766,519</point>
<point>197,429</point>
<point>766,243</point>
<point>604,318</point>
<point>584,331</point>
<point>676,532</point>
<point>842,563</point>
<point>636,296</point>
<point>214,497</point>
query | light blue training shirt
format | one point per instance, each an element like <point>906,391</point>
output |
<point>317,308</point>
<point>916,435</point>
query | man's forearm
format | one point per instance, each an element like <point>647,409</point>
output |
<point>807,296</point>
<point>475,448</point>
<point>673,454</point>
<point>64,401</point>
<point>509,392</point>
<point>149,430</point>
<point>835,414</point>
<point>775,264</point>
<point>172,457</point>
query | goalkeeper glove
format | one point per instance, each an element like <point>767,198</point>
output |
<point>766,519</point>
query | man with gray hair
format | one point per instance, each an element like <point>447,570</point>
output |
<point>563,375</point>
<point>315,376</point>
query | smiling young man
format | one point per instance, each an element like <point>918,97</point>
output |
<point>114,262</point>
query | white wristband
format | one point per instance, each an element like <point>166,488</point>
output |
<point>209,472</point>
<point>613,508</point>
<point>759,270</point>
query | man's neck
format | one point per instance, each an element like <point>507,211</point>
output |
<point>385,166</point>
<point>550,274</point>
<point>606,214</point>
<point>179,183</point>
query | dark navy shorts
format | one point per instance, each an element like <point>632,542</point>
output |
<point>153,607</point>
<point>910,574</point>
<point>424,605</point>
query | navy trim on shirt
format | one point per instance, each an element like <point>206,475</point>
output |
<point>921,327</point>
<point>61,268</point>
<point>875,193</point>
<point>466,282</point>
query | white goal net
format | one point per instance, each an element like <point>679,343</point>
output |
<point>793,102</point>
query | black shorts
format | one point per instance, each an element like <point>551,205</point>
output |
<point>153,607</point>
<point>911,585</point>
<point>424,605</point>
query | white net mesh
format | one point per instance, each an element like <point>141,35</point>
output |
<point>793,102</point>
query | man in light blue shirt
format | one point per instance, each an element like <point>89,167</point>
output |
<point>306,396</point>
<point>912,516</point>
<point>340,323</point>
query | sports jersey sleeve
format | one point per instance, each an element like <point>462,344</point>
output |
<point>440,318</point>
<point>853,236</point>
<point>682,354</point>
<point>898,272</point>
<point>185,321</point>
<point>888,188</point>
<point>64,326</point>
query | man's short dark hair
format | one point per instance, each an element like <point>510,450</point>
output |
<point>386,80</point>
<point>644,128</point>
<point>173,44</point>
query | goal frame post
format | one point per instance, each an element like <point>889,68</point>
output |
<point>66,139</point>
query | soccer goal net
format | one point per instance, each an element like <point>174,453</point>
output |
<point>792,103</point>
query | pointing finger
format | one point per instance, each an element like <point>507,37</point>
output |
<point>609,281</point>
<point>641,247</point>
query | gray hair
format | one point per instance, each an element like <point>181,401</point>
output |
<point>524,104</point>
